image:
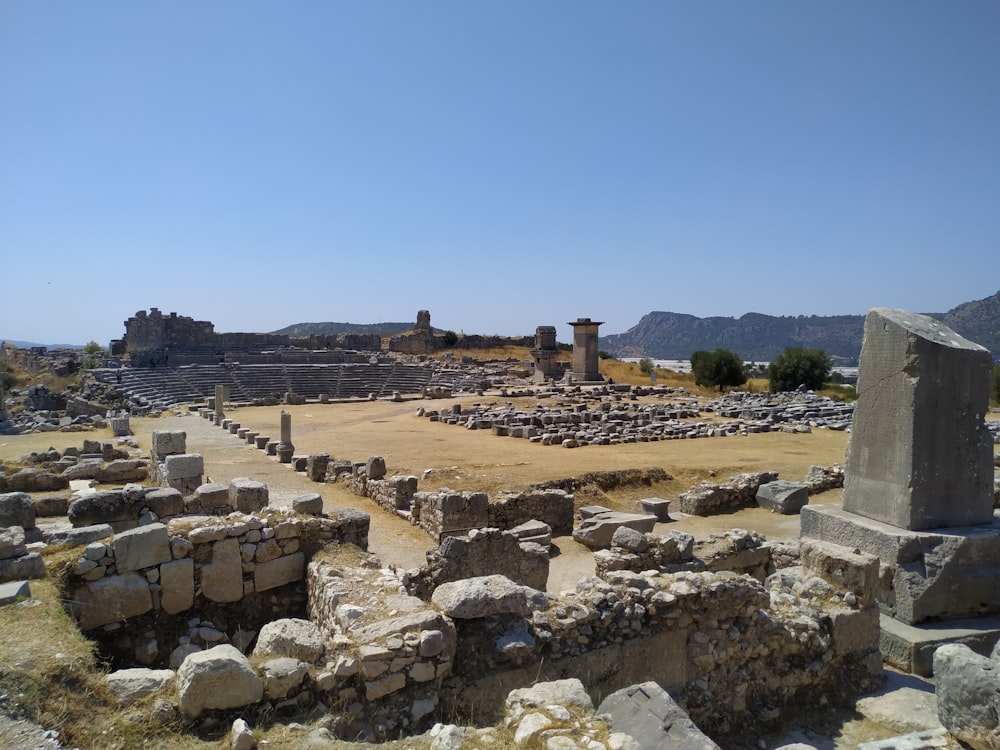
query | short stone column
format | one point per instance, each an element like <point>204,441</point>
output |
<point>285,449</point>
<point>220,397</point>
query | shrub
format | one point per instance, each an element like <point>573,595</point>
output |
<point>450,338</point>
<point>721,368</point>
<point>92,347</point>
<point>796,367</point>
<point>645,365</point>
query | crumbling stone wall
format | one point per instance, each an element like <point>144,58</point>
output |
<point>483,552</point>
<point>553,507</point>
<point>739,492</point>
<point>448,512</point>
<point>177,566</point>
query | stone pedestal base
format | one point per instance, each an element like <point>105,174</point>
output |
<point>910,648</point>
<point>942,574</point>
<point>284,452</point>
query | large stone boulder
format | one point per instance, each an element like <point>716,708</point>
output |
<point>597,531</point>
<point>783,497</point>
<point>486,596</point>
<point>220,677</point>
<point>968,695</point>
<point>290,637</point>
<point>12,542</point>
<point>569,692</point>
<point>648,714</point>
<point>36,480</point>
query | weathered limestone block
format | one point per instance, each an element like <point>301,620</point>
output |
<point>14,591</point>
<point>283,676</point>
<point>247,495</point>
<point>783,497</point>
<point>278,572</point>
<point>845,568</point>
<point>26,566</point>
<point>128,685</point>
<point>36,480</point>
<point>217,678</point>
<point>919,455</point>
<point>142,547</point>
<point>968,695</point>
<point>596,532</point>
<point>105,507</point>
<point>12,542</point>
<point>122,470</point>
<point>168,443</point>
<point>569,693</point>
<point>316,466</point>
<point>165,502</point>
<point>222,579</point>
<point>182,469</point>
<point>177,580</point>
<point>647,713</point>
<point>375,467</point>
<point>111,599</point>
<point>16,509</point>
<point>308,503</point>
<point>52,505</point>
<point>486,596</point>
<point>291,637</point>
<point>77,537</point>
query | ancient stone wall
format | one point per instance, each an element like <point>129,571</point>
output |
<point>739,492</point>
<point>553,507</point>
<point>448,512</point>
<point>181,565</point>
<point>483,552</point>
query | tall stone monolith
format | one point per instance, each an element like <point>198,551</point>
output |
<point>920,456</point>
<point>220,398</point>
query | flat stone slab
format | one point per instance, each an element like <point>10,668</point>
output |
<point>656,506</point>
<point>13,592</point>
<point>597,531</point>
<point>911,647</point>
<point>932,739</point>
<point>77,536</point>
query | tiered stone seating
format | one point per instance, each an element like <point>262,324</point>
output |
<point>193,383</point>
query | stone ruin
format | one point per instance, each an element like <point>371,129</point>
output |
<point>918,491</point>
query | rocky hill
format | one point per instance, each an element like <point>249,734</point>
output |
<point>668,335</point>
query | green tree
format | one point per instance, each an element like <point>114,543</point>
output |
<point>796,367</point>
<point>92,347</point>
<point>996,384</point>
<point>450,338</point>
<point>721,368</point>
<point>645,365</point>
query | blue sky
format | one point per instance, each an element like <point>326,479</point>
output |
<point>502,164</point>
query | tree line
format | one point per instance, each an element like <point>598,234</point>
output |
<point>796,367</point>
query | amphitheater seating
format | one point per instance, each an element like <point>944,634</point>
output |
<point>194,383</point>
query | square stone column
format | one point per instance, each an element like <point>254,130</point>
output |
<point>920,456</point>
<point>585,352</point>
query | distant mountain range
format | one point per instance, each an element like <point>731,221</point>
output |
<point>757,337</point>
<point>32,344</point>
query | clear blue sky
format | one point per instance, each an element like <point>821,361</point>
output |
<point>502,164</point>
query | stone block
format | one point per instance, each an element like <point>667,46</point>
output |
<point>949,573</point>
<point>846,569</point>
<point>11,542</point>
<point>486,596</point>
<point>656,506</point>
<point>316,466</point>
<point>375,467</point>
<point>247,495</point>
<point>52,505</point>
<point>111,599</point>
<point>122,470</point>
<point>105,506</point>
<point>308,503</point>
<point>596,531</point>
<point>184,466</point>
<point>283,676</point>
<point>17,509</point>
<point>217,678</point>
<point>783,497</point>
<point>278,572</point>
<point>30,565</point>
<point>77,537</point>
<point>168,443</point>
<point>177,580</point>
<point>13,592</point>
<point>212,495</point>
<point>128,685</point>
<point>222,579</point>
<point>647,713</point>
<point>142,547</point>
<point>165,501</point>
<point>292,637</point>
<point>919,456</point>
